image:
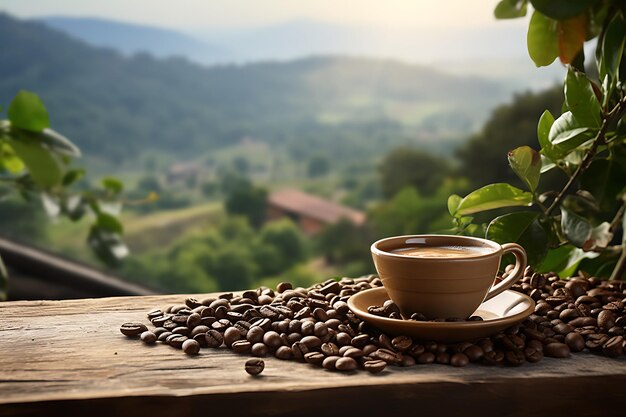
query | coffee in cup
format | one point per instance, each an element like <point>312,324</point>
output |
<point>443,276</point>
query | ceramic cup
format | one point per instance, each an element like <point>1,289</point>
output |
<point>443,287</point>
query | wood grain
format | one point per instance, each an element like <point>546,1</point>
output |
<point>69,358</point>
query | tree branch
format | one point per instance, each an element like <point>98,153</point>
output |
<point>591,153</point>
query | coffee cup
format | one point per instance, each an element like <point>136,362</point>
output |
<point>443,276</point>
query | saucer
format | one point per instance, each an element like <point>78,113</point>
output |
<point>502,311</point>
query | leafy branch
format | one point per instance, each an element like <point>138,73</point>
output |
<point>36,161</point>
<point>587,142</point>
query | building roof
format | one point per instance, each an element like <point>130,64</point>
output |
<point>299,202</point>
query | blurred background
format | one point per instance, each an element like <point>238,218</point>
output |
<point>281,137</point>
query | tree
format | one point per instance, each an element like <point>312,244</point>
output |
<point>285,238</point>
<point>410,167</point>
<point>509,126</point>
<point>318,166</point>
<point>249,201</point>
<point>560,228</point>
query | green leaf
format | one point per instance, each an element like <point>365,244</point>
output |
<point>612,48</point>
<point>453,202</point>
<point>108,246</point>
<point>561,9</point>
<point>526,163</point>
<point>494,196</point>
<point>543,134</point>
<point>523,228</point>
<point>546,164</point>
<point>45,168</point>
<point>27,112</point>
<point>577,229</point>
<point>4,278</point>
<point>603,180</point>
<point>113,185</point>
<point>542,39</point>
<point>109,223</point>
<point>510,9</point>
<point>568,133</point>
<point>9,160</point>
<point>72,176</point>
<point>509,227</point>
<point>564,260</point>
<point>581,100</point>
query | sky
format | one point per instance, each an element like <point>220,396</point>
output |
<point>194,14</point>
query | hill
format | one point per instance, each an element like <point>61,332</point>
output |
<point>130,38</point>
<point>116,106</point>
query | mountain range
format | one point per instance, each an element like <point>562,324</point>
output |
<point>117,106</point>
<point>496,52</point>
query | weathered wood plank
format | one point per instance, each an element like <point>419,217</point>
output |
<point>68,357</point>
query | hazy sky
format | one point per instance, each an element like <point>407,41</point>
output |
<point>191,14</point>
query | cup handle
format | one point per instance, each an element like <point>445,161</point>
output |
<point>515,274</point>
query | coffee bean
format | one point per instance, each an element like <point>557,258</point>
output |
<point>198,329</point>
<point>353,352</point>
<point>330,349</point>
<point>241,346</point>
<point>345,364</point>
<point>148,337</point>
<point>473,353</point>
<point>283,286</point>
<point>133,329</point>
<point>163,336</point>
<point>361,340</point>
<point>320,329</point>
<point>272,339</point>
<point>191,347</point>
<point>459,359</point>
<point>402,343</point>
<point>214,339</point>
<point>386,355</point>
<point>176,340</point>
<point>254,366</point>
<point>426,357</point>
<point>284,353</point>
<point>442,358</point>
<point>614,347</point>
<point>193,320</point>
<point>556,350</point>
<point>514,357</point>
<point>312,342</point>
<point>532,354</point>
<point>575,342</point>
<point>606,319</point>
<point>314,358</point>
<point>299,349</point>
<point>259,349</point>
<point>154,314</point>
<point>329,362</point>
<point>231,335</point>
<point>374,366</point>
<point>184,330</point>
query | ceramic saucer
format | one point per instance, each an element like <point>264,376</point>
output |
<point>502,311</point>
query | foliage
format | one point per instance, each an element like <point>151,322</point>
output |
<point>36,162</point>
<point>509,126</point>
<point>247,200</point>
<point>318,166</point>
<point>410,167</point>
<point>227,256</point>
<point>587,142</point>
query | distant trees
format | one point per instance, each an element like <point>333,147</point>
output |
<point>511,125</point>
<point>247,200</point>
<point>410,167</point>
<point>318,166</point>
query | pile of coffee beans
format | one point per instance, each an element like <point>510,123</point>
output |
<point>315,325</point>
<point>390,310</point>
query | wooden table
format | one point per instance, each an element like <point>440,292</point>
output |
<point>69,358</point>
